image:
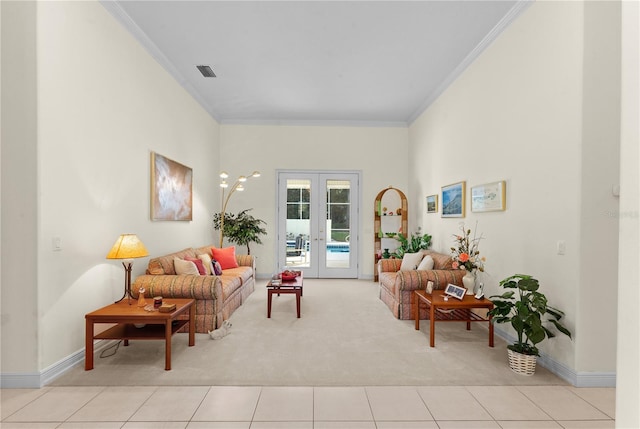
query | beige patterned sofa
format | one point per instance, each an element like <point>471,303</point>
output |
<point>217,297</point>
<point>396,287</point>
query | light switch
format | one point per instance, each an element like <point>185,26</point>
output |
<point>56,244</point>
<point>562,247</point>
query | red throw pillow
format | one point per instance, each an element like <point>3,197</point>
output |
<point>226,256</point>
<point>199,265</point>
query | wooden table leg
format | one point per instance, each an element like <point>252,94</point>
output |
<point>432,325</point>
<point>490,333</point>
<point>298,295</point>
<point>269,295</point>
<point>88,345</point>
<point>167,346</point>
<point>416,311</point>
<point>192,325</point>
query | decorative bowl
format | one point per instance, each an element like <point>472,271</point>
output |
<point>289,276</point>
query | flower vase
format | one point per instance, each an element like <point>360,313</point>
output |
<point>469,281</point>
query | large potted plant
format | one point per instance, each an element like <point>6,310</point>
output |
<point>413,244</point>
<point>242,229</point>
<point>526,309</point>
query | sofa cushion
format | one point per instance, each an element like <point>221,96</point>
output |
<point>216,268</point>
<point>183,267</point>
<point>164,264</point>
<point>426,263</point>
<point>441,261</point>
<point>243,273</point>
<point>206,261</point>
<point>226,256</point>
<point>230,283</point>
<point>410,261</point>
<point>199,265</point>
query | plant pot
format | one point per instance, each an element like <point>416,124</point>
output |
<point>521,363</point>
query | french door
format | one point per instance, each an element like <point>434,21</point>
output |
<point>318,223</point>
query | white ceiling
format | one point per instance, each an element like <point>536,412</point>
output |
<point>305,62</point>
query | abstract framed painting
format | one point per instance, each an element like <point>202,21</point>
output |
<point>488,197</point>
<point>453,197</point>
<point>171,189</point>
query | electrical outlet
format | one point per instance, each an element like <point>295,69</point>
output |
<point>562,247</point>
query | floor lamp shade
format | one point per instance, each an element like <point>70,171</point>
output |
<point>127,247</point>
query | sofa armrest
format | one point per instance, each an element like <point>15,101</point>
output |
<point>389,265</point>
<point>417,279</point>
<point>176,286</point>
<point>246,261</point>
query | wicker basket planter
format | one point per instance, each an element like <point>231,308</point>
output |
<point>522,364</point>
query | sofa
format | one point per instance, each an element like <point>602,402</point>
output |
<point>397,286</point>
<point>216,296</point>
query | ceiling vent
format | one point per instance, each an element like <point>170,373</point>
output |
<point>206,71</point>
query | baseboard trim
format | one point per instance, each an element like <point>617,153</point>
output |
<point>577,379</point>
<point>36,380</point>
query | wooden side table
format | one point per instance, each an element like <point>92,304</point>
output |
<point>456,311</point>
<point>293,287</point>
<point>158,325</point>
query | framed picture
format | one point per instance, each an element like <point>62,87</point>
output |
<point>488,197</point>
<point>171,189</point>
<point>453,197</point>
<point>455,291</point>
<point>432,204</point>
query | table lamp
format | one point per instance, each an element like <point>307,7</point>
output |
<point>127,247</point>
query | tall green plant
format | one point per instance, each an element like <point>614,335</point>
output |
<point>242,229</point>
<point>414,244</point>
<point>525,311</point>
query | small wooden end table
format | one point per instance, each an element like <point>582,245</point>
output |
<point>455,311</point>
<point>158,325</point>
<point>290,286</point>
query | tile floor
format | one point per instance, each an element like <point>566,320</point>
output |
<point>234,407</point>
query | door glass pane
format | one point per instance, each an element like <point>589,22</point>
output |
<point>298,225</point>
<point>338,223</point>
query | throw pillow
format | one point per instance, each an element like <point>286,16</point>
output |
<point>185,267</point>
<point>216,269</point>
<point>206,261</point>
<point>426,263</point>
<point>199,265</point>
<point>410,261</point>
<point>226,256</point>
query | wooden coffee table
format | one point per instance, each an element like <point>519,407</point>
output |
<point>291,286</point>
<point>455,310</point>
<point>158,326</point>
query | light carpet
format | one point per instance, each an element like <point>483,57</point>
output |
<point>346,337</point>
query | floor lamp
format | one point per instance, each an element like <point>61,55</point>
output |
<point>237,186</point>
<point>127,247</point>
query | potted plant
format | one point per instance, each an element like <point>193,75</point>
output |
<point>414,244</point>
<point>525,308</point>
<point>241,229</point>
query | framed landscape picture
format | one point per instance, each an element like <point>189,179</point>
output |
<point>432,204</point>
<point>488,197</point>
<point>453,197</point>
<point>171,189</point>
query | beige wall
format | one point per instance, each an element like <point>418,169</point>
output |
<point>628,387</point>
<point>379,153</point>
<point>102,105</point>
<point>526,111</point>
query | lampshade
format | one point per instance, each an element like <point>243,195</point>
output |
<point>127,246</point>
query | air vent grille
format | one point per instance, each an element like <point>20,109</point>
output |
<point>206,71</point>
